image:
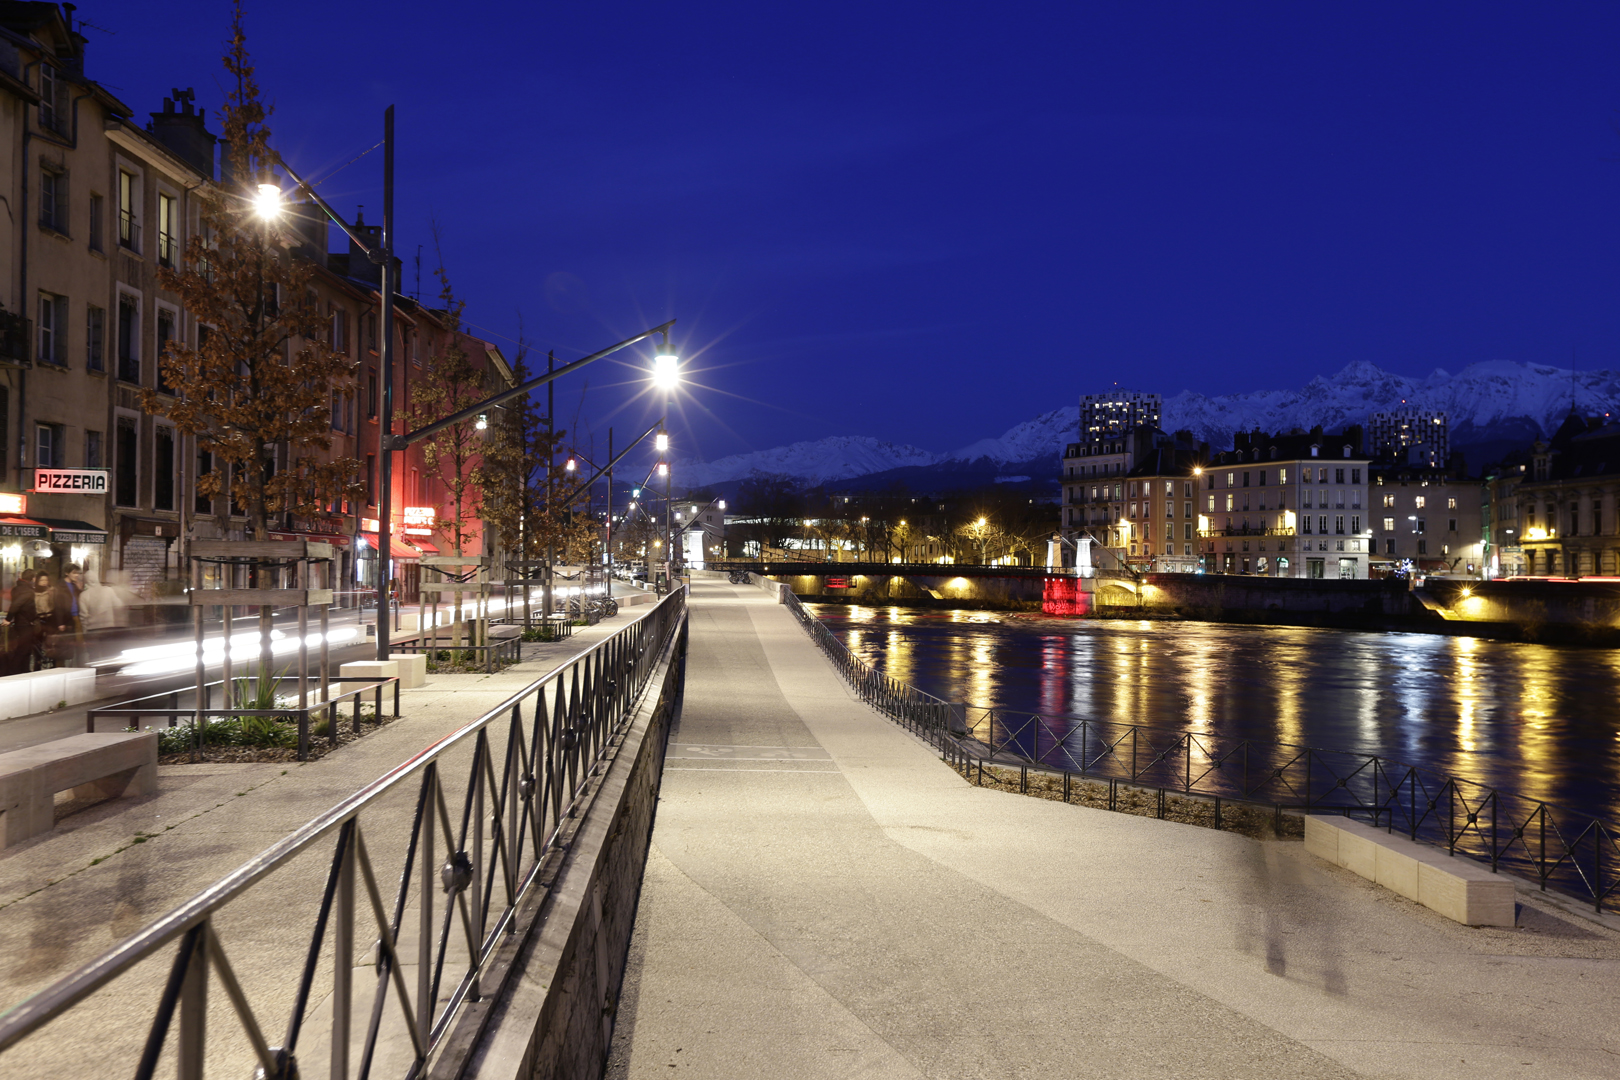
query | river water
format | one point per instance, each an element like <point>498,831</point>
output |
<point>1537,720</point>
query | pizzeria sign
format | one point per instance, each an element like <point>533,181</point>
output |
<point>81,481</point>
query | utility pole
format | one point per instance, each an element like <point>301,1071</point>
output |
<point>551,511</point>
<point>385,532</point>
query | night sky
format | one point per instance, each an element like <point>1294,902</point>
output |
<point>928,222</point>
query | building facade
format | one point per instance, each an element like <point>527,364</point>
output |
<point>1568,499</point>
<point>102,204</point>
<point>1292,505</point>
<point>1426,520</point>
<point>1410,437</point>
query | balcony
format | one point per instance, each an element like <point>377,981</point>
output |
<point>129,231</point>
<point>166,249</point>
<point>1241,530</point>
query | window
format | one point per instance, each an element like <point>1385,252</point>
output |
<point>1423,547</point>
<point>1389,502</point>
<point>92,450</point>
<point>95,338</point>
<point>1597,519</point>
<point>1338,476</point>
<point>1321,524</point>
<point>1338,524</point>
<point>1389,524</point>
<point>1574,519</point>
<point>165,334</point>
<point>1355,498</point>
<point>1355,476</point>
<point>52,328</point>
<point>1186,510</point>
<point>1229,498</point>
<point>48,446</point>
<point>53,101</point>
<point>1212,504</point>
<point>129,345</point>
<point>201,503</point>
<point>1451,525</point>
<point>1245,479</point>
<point>1355,523</point>
<point>371,333</point>
<point>1389,546</point>
<point>167,229</point>
<point>129,227</point>
<point>1451,504</point>
<point>371,394</point>
<point>98,224</point>
<point>53,201</point>
<point>1419,501</point>
<point>1422,525</point>
<point>340,331</point>
<point>1282,476</point>
<point>163,469</point>
<point>1305,524</point>
<point>127,449</point>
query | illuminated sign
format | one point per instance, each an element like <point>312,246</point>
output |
<point>83,481</point>
<point>12,503</point>
<point>368,525</point>
<point>419,520</point>
<point>838,583</point>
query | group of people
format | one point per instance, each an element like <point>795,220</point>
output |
<point>46,622</point>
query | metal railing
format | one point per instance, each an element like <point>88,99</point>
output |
<point>305,719</point>
<point>1574,853</point>
<point>503,795</point>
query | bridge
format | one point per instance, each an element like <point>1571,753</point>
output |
<point>483,889</point>
<point>1059,590</point>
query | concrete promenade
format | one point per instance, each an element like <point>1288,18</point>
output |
<point>109,870</point>
<point>824,898</point>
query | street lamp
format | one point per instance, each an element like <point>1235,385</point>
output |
<point>267,203</point>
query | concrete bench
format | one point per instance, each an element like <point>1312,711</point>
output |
<point>104,766</point>
<point>1457,888</point>
<point>412,668</point>
<point>369,669</point>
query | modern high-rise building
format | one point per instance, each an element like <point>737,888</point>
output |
<point>1410,437</point>
<point>1116,413</point>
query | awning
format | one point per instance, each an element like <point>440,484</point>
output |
<point>402,550</point>
<point>23,528</point>
<point>73,531</point>
<point>335,539</point>
<point>427,549</point>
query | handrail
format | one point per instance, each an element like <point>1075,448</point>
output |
<point>1574,852</point>
<point>515,813</point>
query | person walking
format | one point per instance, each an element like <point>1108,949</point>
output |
<point>34,619</point>
<point>70,644</point>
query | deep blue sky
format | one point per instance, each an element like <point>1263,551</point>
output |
<point>928,222</point>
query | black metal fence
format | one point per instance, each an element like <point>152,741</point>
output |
<point>495,806</point>
<point>1574,853</point>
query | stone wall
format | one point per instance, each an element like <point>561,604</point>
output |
<point>554,1016</point>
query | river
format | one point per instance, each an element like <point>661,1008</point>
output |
<point>1537,720</point>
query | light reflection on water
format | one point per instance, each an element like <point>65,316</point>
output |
<point>1534,719</point>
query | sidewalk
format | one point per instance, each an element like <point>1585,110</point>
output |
<point>107,871</point>
<point>825,898</point>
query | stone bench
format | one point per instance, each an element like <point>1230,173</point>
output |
<point>412,668</point>
<point>104,766</point>
<point>1457,888</point>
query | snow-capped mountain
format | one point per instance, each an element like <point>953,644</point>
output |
<point>833,458</point>
<point>1497,402</point>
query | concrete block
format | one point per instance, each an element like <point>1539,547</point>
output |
<point>1398,871</point>
<point>1358,853</point>
<point>412,668</point>
<point>1322,838</point>
<point>1466,893</point>
<point>103,765</point>
<point>370,669</point>
<point>81,684</point>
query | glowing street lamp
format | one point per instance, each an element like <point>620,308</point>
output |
<point>267,203</point>
<point>666,366</point>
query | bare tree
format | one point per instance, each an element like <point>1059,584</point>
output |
<point>259,383</point>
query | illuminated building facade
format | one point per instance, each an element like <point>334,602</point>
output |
<point>1118,430</point>
<point>1291,505</point>
<point>1568,500</point>
<point>1410,437</point>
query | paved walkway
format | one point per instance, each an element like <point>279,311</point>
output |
<point>108,871</point>
<point>824,898</point>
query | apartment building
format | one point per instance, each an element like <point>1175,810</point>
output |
<point>1288,505</point>
<point>1412,437</point>
<point>1426,519</point>
<point>101,205</point>
<point>1568,499</point>
<point>1117,430</point>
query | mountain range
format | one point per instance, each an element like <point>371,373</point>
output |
<point>1492,407</point>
